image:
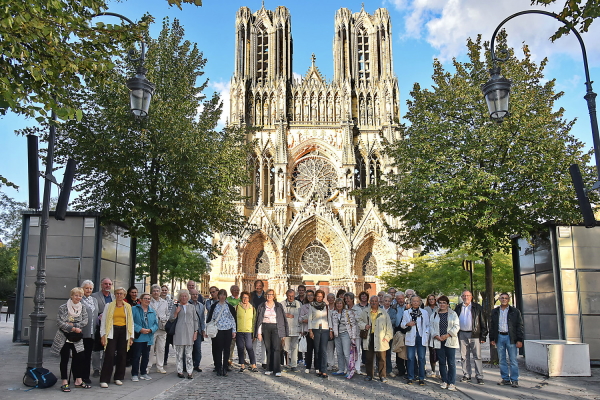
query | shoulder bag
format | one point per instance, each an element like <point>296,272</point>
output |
<point>364,333</point>
<point>211,327</point>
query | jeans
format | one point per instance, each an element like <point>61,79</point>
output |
<point>139,349</point>
<point>272,343</point>
<point>342,345</point>
<point>447,359</point>
<point>244,342</point>
<point>418,350</point>
<point>197,351</point>
<point>321,339</point>
<point>503,343</point>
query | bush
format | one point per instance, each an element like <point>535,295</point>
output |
<point>7,287</point>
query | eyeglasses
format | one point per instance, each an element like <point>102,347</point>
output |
<point>119,294</point>
<point>270,294</point>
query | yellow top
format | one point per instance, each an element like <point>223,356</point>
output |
<point>119,317</point>
<point>373,318</point>
<point>245,319</point>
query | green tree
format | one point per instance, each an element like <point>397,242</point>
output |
<point>580,16</point>
<point>173,178</point>
<point>10,243</point>
<point>463,180</point>
<point>442,273</point>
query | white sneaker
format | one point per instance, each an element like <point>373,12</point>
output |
<point>392,375</point>
<point>444,385</point>
<point>452,387</point>
<point>103,384</point>
<point>306,371</point>
<point>118,382</point>
<point>135,378</point>
<point>145,377</point>
<point>268,372</point>
<point>317,371</point>
<point>161,370</point>
<point>278,374</point>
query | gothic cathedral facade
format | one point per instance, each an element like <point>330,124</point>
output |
<point>316,142</point>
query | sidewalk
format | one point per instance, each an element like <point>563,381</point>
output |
<point>290,386</point>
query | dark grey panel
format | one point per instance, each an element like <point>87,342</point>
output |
<point>64,246</point>
<point>545,282</point>
<point>589,280</point>
<point>548,327</point>
<point>87,270</point>
<point>530,304</point>
<point>528,284</point>
<point>31,262</point>
<point>594,348</point>
<point>531,337</point>
<point>109,250</point>
<point>123,276</point>
<point>62,267</point>
<point>587,257</point>
<point>89,245</point>
<point>33,246</point>
<point>51,309</point>
<point>568,280</point>
<point>123,253</point>
<point>571,303</point>
<point>526,257</point>
<point>591,327</point>
<point>572,328</point>
<point>543,257</point>
<point>107,270</point>
<point>583,237</point>
<point>59,288</point>
<point>547,303</point>
<point>590,302</point>
<point>531,322</point>
<point>71,226</point>
<point>565,258</point>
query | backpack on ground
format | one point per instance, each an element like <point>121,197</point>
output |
<point>39,378</point>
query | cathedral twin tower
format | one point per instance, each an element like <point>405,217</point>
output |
<point>316,142</point>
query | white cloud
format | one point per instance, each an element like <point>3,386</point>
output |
<point>446,25</point>
<point>296,76</point>
<point>223,89</point>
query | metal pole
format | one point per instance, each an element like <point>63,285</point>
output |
<point>38,316</point>
<point>471,271</point>
<point>590,96</point>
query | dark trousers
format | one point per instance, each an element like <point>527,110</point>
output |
<point>197,351</point>
<point>433,358</point>
<point>168,342</point>
<point>67,350</point>
<point>139,349</point>
<point>272,343</point>
<point>321,339</point>
<point>310,351</point>
<point>220,348</point>
<point>243,340</point>
<point>88,345</point>
<point>117,344</point>
<point>371,355</point>
<point>388,360</point>
<point>401,365</point>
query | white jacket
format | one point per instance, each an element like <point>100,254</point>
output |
<point>453,328</point>
<point>422,326</point>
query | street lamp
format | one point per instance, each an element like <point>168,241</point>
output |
<point>141,91</point>
<point>497,90</point>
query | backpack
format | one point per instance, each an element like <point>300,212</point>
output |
<point>39,378</point>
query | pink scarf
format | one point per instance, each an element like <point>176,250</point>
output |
<point>74,309</point>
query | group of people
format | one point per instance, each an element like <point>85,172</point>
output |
<point>107,328</point>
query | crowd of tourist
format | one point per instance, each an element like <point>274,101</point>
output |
<point>109,330</point>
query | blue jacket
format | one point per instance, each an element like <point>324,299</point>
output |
<point>139,324</point>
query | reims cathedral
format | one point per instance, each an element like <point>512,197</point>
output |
<point>316,141</point>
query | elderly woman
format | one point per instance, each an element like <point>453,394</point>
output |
<point>145,324</point>
<point>116,335</point>
<point>290,342</point>
<point>387,306</point>
<point>443,330</point>
<point>319,330</point>
<point>341,325</point>
<point>416,338</point>
<point>431,307</point>
<point>309,297</point>
<point>89,331</point>
<point>246,319</point>
<point>161,307</point>
<point>186,332</point>
<point>331,361</point>
<point>353,312</point>
<point>72,317</point>
<point>379,329</point>
<point>224,315</point>
<point>363,300</point>
<point>271,327</point>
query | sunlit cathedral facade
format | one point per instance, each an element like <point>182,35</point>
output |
<point>316,141</point>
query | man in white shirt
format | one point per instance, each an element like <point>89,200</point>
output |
<point>157,351</point>
<point>473,331</point>
<point>290,342</point>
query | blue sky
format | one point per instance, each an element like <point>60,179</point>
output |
<point>422,30</point>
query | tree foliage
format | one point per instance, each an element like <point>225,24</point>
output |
<point>172,178</point>
<point>442,273</point>
<point>175,263</point>
<point>580,16</point>
<point>462,180</point>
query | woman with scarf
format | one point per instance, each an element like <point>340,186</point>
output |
<point>72,317</point>
<point>116,335</point>
<point>186,332</point>
<point>416,338</point>
<point>271,327</point>
<point>319,330</point>
<point>89,331</point>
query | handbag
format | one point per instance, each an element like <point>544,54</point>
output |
<point>364,333</point>
<point>302,346</point>
<point>73,336</point>
<point>211,327</point>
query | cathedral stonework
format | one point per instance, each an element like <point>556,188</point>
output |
<point>316,142</point>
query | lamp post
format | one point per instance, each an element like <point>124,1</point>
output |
<point>141,91</point>
<point>497,92</point>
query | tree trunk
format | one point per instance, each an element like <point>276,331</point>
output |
<point>154,245</point>
<point>488,301</point>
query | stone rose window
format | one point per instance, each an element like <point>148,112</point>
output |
<point>369,265</point>
<point>314,176</point>
<point>262,265</point>
<point>316,260</point>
